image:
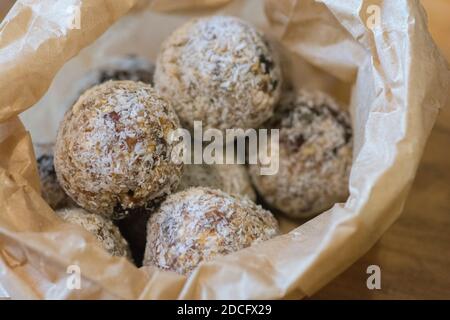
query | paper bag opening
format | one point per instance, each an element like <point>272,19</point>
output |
<point>376,56</point>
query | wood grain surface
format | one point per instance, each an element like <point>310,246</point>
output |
<point>414,255</point>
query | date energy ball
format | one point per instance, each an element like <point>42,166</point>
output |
<point>230,178</point>
<point>113,149</point>
<point>102,228</point>
<point>221,71</point>
<point>199,224</point>
<point>315,156</point>
<point>51,191</point>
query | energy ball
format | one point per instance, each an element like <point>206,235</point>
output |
<point>113,149</point>
<point>230,178</point>
<point>199,224</point>
<point>51,191</point>
<point>102,228</point>
<point>221,71</point>
<point>315,156</point>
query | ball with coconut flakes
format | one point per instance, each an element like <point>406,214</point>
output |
<point>113,149</point>
<point>199,224</point>
<point>315,155</point>
<point>219,70</point>
<point>51,190</point>
<point>102,228</point>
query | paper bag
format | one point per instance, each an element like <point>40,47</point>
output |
<point>375,56</point>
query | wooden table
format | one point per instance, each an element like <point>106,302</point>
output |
<point>414,255</point>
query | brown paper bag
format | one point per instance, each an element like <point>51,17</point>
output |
<point>375,55</point>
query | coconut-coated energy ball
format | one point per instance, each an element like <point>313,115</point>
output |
<point>102,228</point>
<point>113,149</point>
<point>315,156</point>
<point>199,224</point>
<point>51,191</point>
<point>219,70</point>
<point>230,178</point>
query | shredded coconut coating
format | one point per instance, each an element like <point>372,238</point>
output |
<point>102,228</point>
<point>51,191</point>
<point>315,156</point>
<point>221,71</point>
<point>113,149</point>
<point>199,224</point>
<point>230,178</point>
